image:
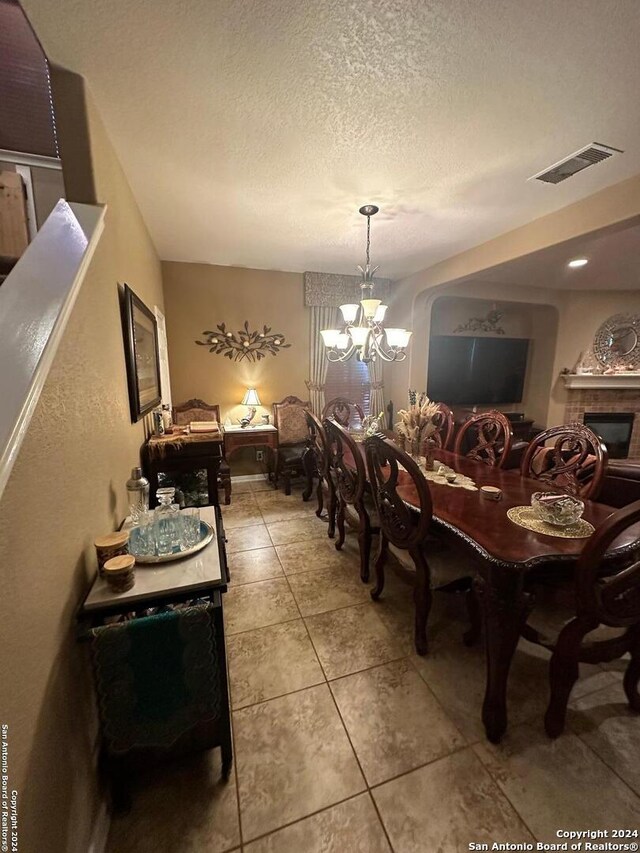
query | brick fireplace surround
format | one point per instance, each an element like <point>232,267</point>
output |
<point>606,400</point>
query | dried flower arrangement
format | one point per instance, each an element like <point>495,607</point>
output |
<point>416,423</point>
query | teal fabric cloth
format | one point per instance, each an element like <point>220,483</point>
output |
<point>156,677</point>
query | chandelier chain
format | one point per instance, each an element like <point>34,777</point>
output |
<point>368,237</point>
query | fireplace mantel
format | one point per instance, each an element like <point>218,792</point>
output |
<point>610,381</point>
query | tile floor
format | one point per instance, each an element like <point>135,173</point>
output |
<point>345,740</point>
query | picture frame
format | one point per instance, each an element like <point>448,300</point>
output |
<point>141,355</point>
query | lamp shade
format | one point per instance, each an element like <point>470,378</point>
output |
<point>398,337</point>
<point>330,336</point>
<point>359,335</point>
<point>349,312</point>
<point>251,398</point>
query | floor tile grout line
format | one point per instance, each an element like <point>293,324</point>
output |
<point>602,759</point>
<point>364,776</point>
<point>306,817</point>
<point>280,695</point>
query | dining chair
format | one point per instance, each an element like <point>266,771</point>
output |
<point>347,467</point>
<point>604,623</point>
<point>290,420</point>
<point>197,410</point>
<point>576,462</point>
<point>492,434</point>
<point>406,533</point>
<point>343,411</point>
<point>445,425</point>
<point>316,464</point>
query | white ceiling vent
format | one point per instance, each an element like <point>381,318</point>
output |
<point>582,159</point>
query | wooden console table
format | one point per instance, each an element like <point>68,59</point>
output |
<point>261,435</point>
<point>182,453</point>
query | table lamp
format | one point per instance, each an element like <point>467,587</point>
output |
<point>251,400</point>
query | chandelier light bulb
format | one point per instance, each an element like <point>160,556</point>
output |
<point>330,336</point>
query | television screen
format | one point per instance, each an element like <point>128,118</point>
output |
<point>476,370</point>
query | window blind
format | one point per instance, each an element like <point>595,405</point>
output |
<point>349,379</point>
<point>26,112</point>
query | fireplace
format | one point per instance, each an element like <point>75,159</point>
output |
<point>614,428</point>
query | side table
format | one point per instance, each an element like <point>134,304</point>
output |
<point>199,579</point>
<point>261,435</point>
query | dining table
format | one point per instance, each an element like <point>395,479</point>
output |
<point>504,556</point>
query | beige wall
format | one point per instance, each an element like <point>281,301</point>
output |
<point>612,205</point>
<point>581,313</point>
<point>67,487</point>
<point>198,297</point>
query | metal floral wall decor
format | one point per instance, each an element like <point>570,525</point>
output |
<point>243,343</point>
<point>488,323</point>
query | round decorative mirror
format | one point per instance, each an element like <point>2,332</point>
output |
<point>617,342</point>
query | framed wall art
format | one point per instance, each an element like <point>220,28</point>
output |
<point>141,355</point>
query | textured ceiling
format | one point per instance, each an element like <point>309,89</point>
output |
<point>613,255</point>
<point>252,130</point>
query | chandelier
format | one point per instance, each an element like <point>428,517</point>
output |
<point>364,335</point>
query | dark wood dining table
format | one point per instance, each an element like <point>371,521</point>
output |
<point>504,555</point>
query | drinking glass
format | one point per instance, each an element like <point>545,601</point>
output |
<point>142,539</point>
<point>190,517</point>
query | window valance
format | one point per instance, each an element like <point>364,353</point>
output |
<point>329,290</point>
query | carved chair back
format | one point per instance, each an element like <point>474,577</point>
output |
<point>343,411</point>
<point>445,424</point>
<point>605,598</point>
<point>575,463</point>
<point>317,443</point>
<point>290,420</point>
<point>490,436</point>
<point>195,410</point>
<point>403,527</point>
<point>349,475</point>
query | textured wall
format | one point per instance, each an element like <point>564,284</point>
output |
<point>581,313</point>
<point>198,297</point>
<point>67,487</point>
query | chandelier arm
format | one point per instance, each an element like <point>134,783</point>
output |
<point>388,354</point>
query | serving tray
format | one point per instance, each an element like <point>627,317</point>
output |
<point>206,535</point>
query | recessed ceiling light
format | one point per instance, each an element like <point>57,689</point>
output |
<point>578,262</point>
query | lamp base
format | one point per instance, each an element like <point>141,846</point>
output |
<point>246,420</point>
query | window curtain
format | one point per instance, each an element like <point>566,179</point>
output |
<point>322,317</point>
<point>377,388</point>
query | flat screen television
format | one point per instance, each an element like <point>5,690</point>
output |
<point>477,370</point>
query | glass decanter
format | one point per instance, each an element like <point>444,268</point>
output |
<point>166,515</point>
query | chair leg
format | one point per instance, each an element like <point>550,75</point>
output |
<point>320,498</point>
<point>632,675</point>
<point>340,523</point>
<point>381,559</point>
<point>331,508</point>
<point>422,598</point>
<point>563,674</point>
<point>308,466</point>
<point>287,481</point>
<point>471,637</point>
<point>364,541</point>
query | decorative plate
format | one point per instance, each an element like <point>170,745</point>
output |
<point>206,535</point>
<point>617,342</point>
